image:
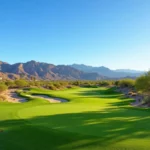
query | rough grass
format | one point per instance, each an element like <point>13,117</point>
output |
<point>93,118</point>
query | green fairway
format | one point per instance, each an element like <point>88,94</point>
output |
<point>92,119</point>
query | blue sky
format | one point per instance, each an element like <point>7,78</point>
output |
<point>112,33</point>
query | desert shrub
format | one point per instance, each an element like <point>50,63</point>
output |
<point>38,84</point>
<point>146,99</point>
<point>52,87</point>
<point>76,83</point>
<point>86,84</point>
<point>69,86</point>
<point>10,84</point>
<point>21,83</point>
<point>105,83</point>
<point>57,85</point>
<point>64,83</point>
<point>31,83</point>
<point>143,84</point>
<point>90,84</point>
<point>116,83</point>
<point>2,98</point>
<point>126,83</point>
<point>3,87</point>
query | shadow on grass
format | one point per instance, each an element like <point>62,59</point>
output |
<point>108,94</point>
<point>87,130</point>
<point>100,93</point>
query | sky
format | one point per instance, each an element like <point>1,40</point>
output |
<point>111,33</point>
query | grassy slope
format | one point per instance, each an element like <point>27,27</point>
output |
<point>94,118</point>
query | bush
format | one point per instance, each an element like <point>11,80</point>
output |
<point>146,99</point>
<point>63,83</point>
<point>21,83</point>
<point>127,83</point>
<point>57,85</point>
<point>52,87</point>
<point>2,98</point>
<point>3,87</point>
<point>10,84</point>
<point>143,84</point>
<point>76,83</point>
<point>105,83</point>
<point>69,86</point>
<point>116,83</point>
<point>37,83</point>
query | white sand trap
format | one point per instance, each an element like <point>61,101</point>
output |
<point>12,96</point>
<point>50,99</point>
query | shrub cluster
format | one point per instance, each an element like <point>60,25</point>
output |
<point>143,84</point>
<point>52,85</point>
<point>3,87</point>
<point>2,98</point>
<point>130,83</point>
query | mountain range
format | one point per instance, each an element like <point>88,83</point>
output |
<point>129,71</point>
<point>47,71</point>
<point>120,73</point>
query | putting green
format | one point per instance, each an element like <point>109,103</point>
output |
<point>93,118</point>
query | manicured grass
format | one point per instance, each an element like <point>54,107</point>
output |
<point>92,119</point>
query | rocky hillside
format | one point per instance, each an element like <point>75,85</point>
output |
<point>45,71</point>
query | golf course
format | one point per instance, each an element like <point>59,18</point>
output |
<point>89,119</point>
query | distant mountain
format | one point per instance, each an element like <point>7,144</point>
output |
<point>62,72</point>
<point>46,71</point>
<point>108,72</point>
<point>129,71</point>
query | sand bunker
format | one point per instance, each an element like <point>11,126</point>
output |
<point>12,96</point>
<point>50,99</point>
